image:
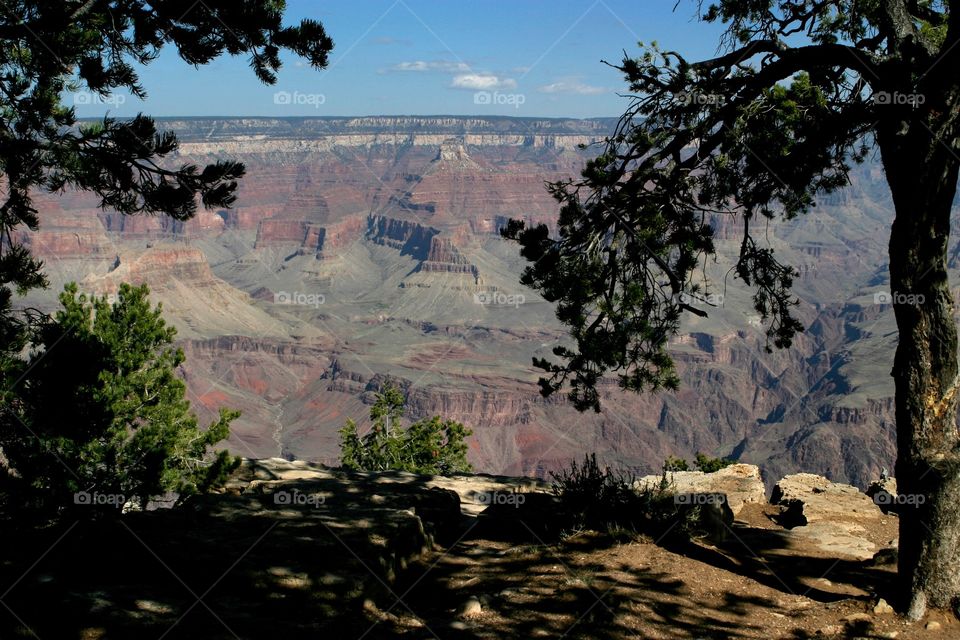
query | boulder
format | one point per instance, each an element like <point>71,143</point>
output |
<point>805,498</point>
<point>739,483</point>
<point>835,517</point>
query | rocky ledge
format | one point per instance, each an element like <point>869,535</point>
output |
<point>811,509</point>
<point>304,551</point>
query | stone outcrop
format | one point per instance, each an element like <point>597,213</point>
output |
<point>309,238</point>
<point>884,494</point>
<point>740,484</point>
<point>160,264</point>
<point>333,237</point>
<point>438,500</point>
<point>411,238</point>
<point>453,156</point>
<point>444,257</point>
<point>805,498</point>
<point>276,231</point>
<point>834,516</point>
<point>66,235</point>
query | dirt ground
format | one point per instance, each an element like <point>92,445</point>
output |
<point>756,585</point>
<point>166,575</point>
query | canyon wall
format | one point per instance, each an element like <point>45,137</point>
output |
<point>365,250</point>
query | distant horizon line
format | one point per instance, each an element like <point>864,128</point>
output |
<point>323,117</point>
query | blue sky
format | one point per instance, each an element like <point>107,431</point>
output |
<point>457,57</point>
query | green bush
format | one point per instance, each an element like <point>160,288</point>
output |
<point>430,446</point>
<point>606,501</point>
<point>99,415</point>
<point>675,464</point>
<point>709,465</point>
<point>701,463</point>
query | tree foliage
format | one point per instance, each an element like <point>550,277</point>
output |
<point>100,410</point>
<point>702,462</point>
<point>747,136</point>
<point>429,446</point>
<point>49,48</point>
<point>799,90</point>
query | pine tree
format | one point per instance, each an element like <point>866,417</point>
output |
<point>429,446</point>
<point>101,416</point>
<point>51,48</point>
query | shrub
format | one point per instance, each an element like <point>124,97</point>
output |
<point>709,465</point>
<point>605,500</point>
<point>430,446</point>
<point>675,464</point>
<point>701,463</point>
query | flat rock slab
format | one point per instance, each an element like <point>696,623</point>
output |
<point>475,491</point>
<point>740,483</point>
<point>813,498</point>
<point>836,517</point>
<point>836,538</point>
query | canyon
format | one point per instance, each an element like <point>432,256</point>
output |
<point>366,251</point>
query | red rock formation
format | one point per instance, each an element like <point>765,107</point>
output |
<point>247,217</point>
<point>444,257</point>
<point>274,232</point>
<point>310,238</point>
<point>67,235</point>
<point>334,237</point>
<point>404,235</point>
<point>163,263</point>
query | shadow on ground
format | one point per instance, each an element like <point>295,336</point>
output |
<point>349,557</point>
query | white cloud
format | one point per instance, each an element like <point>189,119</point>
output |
<point>431,65</point>
<point>482,82</point>
<point>572,87</point>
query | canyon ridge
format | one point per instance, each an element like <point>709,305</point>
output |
<point>363,251</point>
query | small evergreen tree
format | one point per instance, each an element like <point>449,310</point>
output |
<point>430,446</point>
<point>100,410</point>
<point>709,465</point>
<point>702,463</point>
<point>673,463</point>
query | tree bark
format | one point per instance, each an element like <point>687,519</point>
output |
<point>922,172</point>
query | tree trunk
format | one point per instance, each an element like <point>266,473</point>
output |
<point>922,173</point>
